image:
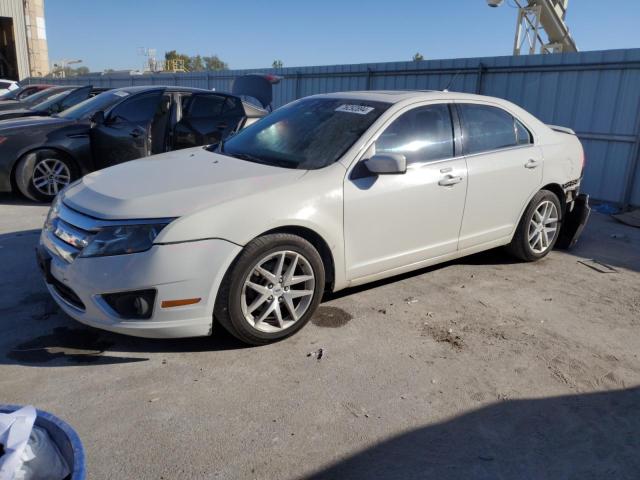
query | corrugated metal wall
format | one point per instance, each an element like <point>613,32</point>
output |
<point>595,93</point>
<point>15,10</point>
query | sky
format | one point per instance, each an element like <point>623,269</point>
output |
<point>251,34</point>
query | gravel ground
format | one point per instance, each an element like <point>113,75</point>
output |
<point>479,368</point>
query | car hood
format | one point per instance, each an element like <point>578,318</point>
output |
<point>18,124</point>
<point>172,185</point>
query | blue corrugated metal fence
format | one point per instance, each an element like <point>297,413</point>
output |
<point>595,93</point>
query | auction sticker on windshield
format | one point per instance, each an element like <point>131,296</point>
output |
<point>359,109</point>
<point>120,93</point>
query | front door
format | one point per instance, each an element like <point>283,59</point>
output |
<point>393,221</point>
<point>126,132</point>
<point>505,170</point>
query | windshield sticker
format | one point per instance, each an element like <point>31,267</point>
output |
<point>359,109</point>
<point>120,93</point>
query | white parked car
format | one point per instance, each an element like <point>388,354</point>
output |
<point>7,85</point>
<point>328,192</point>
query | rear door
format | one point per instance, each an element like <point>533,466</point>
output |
<point>126,132</point>
<point>504,168</point>
<point>205,119</point>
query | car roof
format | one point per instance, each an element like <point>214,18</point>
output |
<point>170,88</point>
<point>398,96</point>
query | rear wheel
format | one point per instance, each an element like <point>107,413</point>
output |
<point>272,289</point>
<point>42,174</point>
<point>538,229</point>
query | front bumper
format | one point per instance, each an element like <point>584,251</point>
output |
<point>177,271</point>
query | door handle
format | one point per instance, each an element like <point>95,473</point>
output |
<point>531,163</point>
<point>222,126</point>
<point>449,181</point>
<point>136,132</point>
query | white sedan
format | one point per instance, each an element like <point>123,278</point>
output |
<point>328,192</point>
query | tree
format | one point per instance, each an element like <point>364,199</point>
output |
<point>196,63</point>
<point>277,64</point>
<point>213,62</point>
<point>418,57</point>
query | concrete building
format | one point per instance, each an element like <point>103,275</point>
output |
<point>23,39</point>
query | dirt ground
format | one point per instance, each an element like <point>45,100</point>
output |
<point>479,368</point>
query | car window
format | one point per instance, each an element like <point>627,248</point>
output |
<point>486,128</point>
<point>4,85</point>
<point>522,133</point>
<point>138,109</point>
<point>233,106</point>
<point>423,134</point>
<point>203,106</point>
<point>25,92</point>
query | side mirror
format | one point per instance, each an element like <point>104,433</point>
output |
<point>98,118</point>
<point>387,163</point>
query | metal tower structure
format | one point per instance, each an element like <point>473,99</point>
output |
<point>541,27</point>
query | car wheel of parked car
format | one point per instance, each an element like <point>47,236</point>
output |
<point>42,174</point>
<point>271,290</point>
<point>539,228</point>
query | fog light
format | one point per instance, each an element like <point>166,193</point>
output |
<point>135,304</point>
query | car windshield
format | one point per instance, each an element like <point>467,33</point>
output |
<point>46,104</point>
<point>11,94</point>
<point>84,110</point>
<point>39,97</point>
<point>308,134</point>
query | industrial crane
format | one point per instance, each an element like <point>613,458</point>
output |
<point>536,17</point>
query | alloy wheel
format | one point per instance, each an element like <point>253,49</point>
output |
<point>543,227</point>
<point>277,291</point>
<point>50,176</point>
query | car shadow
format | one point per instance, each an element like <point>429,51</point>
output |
<point>72,344</point>
<point>497,256</point>
<point>587,436</point>
<point>18,200</point>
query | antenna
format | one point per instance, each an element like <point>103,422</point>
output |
<point>453,79</point>
<point>150,63</point>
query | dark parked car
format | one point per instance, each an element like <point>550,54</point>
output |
<point>23,92</point>
<point>40,156</point>
<point>54,104</point>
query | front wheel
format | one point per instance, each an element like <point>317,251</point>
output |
<point>41,175</point>
<point>538,229</point>
<point>272,289</point>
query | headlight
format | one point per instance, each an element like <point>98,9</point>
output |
<point>54,211</point>
<point>122,239</point>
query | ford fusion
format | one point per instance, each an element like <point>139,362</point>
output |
<point>328,192</point>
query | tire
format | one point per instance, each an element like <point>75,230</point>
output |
<point>528,243</point>
<point>38,164</point>
<point>236,298</point>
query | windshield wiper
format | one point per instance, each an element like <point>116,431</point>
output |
<point>246,156</point>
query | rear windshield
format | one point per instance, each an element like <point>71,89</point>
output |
<point>308,134</point>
